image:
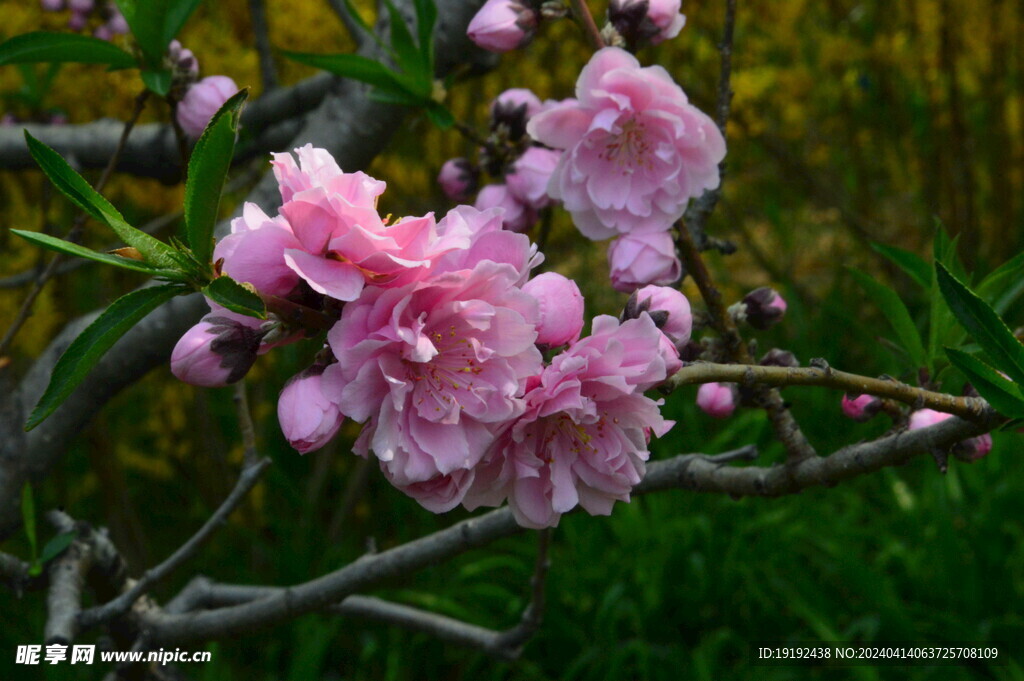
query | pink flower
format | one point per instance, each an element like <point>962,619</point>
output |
<point>639,21</point>
<point>254,252</point>
<point>970,449</point>
<point>640,259</point>
<point>503,25</point>
<point>582,438</point>
<point>435,367</point>
<point>458,179</point>
<point>317,169</point>
<point>717,400</point>
<point>764,308</point>
<point>517,217</point>
<point>528,181</point>
<point>636,150</point>
<point>861,407</point>
<point>560,308</point>
<point>308,417</point>
<point>203,100</point>
<point>488,241</point>
<point>219,350</point>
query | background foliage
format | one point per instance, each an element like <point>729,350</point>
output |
<point>853,122</point>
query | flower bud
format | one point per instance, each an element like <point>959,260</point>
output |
<point>202,101</point>
<point>518,216</point>
<point>102,32</point>
<point>717,400</point>
<point>459,179</point>
<point>81,6</point>
<point>764,308</point>
<point>116,22</point>
<point>643,21</point>
<point>52,5</point>
<point>667,306</point>
<point>860,408</point>
<point>779,358</point>
<point>512,109</point>
<point>503,25</point>
<point>182,60</point>
<point>308,417</point>
<point>528,181</point>
<point>77,21</point>
<point>967,450</point>
<point>560,306</point>
<point>219,350</point>
<point>640,259</point>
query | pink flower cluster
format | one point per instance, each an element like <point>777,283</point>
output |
<point>437,349</point>
<point>112,22</point>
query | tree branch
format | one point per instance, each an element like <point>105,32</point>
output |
<point>64,601</point>
<point>261,37</point>
<point>970,408</point>
<point>246,481</point>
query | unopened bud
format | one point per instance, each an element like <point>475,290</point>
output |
<point>860,408</point>
<point>762,308</point>
<point>779,358</point>
<point>718,400</point>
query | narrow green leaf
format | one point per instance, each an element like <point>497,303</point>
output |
<point>397,97</point>
<point>897,315</point>
<point>74,186</point>
<point>61,246</point>
<point>157,80</point>
<point>911,263</point>
<point>983,325</point>
<point>146,20</point>
<point>44,46</point>
<point>351,66</point>
<point>178,12</point>
<point>1004,285</point>
<point>407,54</point>
<point>98,337</point>
<point>207,170</point>
<point>56,546</point>
<point>228,293</point>
<point>1004,396</point>
<point>426,17</point>
<point>440,116</point>
<point>28,519</point>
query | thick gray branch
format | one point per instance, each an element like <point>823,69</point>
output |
<point>694,472</point>
<point>64,601</point>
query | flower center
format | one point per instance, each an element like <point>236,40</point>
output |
<point>630,148</point>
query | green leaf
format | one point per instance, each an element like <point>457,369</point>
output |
<point>897,315</point>
<point>98,337</point>
<point>177,14</point>
<point>911,263</point>
<point>74,186</point>
<point>155,23</point>
<point>426,17</point>
<point>207,170</point>
<point>440,116</point>
<point>56,546</point>
<point>44,46</point>
<point>228,293</point>
<point>28,519</point>
<point>351,66</point>
<point>983,325</point>
<point>158,81</point>
<point>1004,396</point>
<point>407,54</point>
<point>61,246</point>
<point>1004,285</point>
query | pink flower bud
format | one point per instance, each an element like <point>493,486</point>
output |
<point>860,408</point>
<point>308,417</point>
<point>667,306</point>
<point>528,181</point>
<point>513,109</point>
<point>560,305</point>
<point>459,179</point>
<point>219,350</point>
<point>81,6</point>
<point>669,352</point>
<point>640,21</point>
<point>52,5</point>
<point>503,25</point>
<point>183,59</point>
<point>77,21</point>
<point>518,216</point>
<point>202,101</point>
<point>764,308</point>
<point>640,259</point>
<point>116,22</point>
<point>717,400</point>
<point>970,449</point>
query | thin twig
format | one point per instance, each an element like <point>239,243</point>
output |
<point>586,19</point>
<point>118,606</point>
<point>971,408</point>
<point>514,639</point>
<point>355,31</point>
<point>261,33</point>
<point>74,234</point>
<point>245,425</point>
